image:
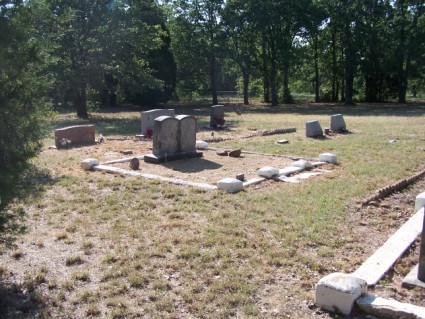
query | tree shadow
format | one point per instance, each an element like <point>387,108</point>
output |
<point>15,184</point>
<point>20,301</point>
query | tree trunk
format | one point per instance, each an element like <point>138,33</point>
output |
<point>213,75</point>
<point>316,73</point>
<point>273,68</point>
<point>245,88</point>
<point>401,54</point>
<point>80,101</point>
<point>266,82</point>
<point>287,98</point>
<point>335,85</point>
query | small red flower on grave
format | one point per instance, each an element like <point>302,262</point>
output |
<point>149,133</point>
<point>220,121</point>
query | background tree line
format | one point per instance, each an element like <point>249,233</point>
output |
<point>82,53</point>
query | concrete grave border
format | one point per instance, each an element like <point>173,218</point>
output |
<point>283,173</point>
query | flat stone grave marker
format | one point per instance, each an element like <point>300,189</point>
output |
<point>148,118</point>
<point>75,135</point>
<point>217,115</point>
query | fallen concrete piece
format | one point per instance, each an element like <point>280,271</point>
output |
<point>117,170</point>
<point>328,157</point>
<point>230,185</point>
<point>290,170</point>
<point>201,145</point>
<point>253,181</point>
<point>303,164</point>
<point>373,269</point>
<point>89,163</point>
<point>337,292</point>
<point>390,308</point>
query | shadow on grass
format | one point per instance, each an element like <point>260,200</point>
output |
<point>18,183</point>
<point>20,302</point>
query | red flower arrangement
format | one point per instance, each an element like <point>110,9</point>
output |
<point>220,121</point>
<point>149,133</point>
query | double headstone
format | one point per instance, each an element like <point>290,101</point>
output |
<point>313,129</point>
<point>173,138</point>
<point>337,123</point>
<point>217,115</point>
<point>74,135</point>
<point>148,118</point>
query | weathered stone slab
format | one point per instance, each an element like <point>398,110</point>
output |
<point>411,280</point>
<point>77,135</point>
<point>313,129</point>
<point>389,308</point>
<point>302,164</point>
<point>337,123</point>
<point>216,114</point>
<point>290,170</point>
<point>187,133</point>
<point>148,118</point>
<point>165,136</point>
<point>337,292</point>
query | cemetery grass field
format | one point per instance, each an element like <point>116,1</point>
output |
<point>89,244</point>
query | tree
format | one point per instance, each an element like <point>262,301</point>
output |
<point>23,87</point>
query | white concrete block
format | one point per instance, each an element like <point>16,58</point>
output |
<point>230,185</point>
<point>88,163</point>
<point>303,164</point>
<point>420,201</point>
<point>201,145</point>
<point>337,292</point>
<point>328,157</point>
<point>268,171</point>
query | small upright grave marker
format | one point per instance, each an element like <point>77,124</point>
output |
<point>148,118</point>
<point>217,116</point>
<point>337,123</point>
<point>313,129</point>
<point>74,135</point>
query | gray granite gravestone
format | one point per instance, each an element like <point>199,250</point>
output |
<point>173,138</point>
<point>313,129</point>
<point>148,118</point>
<point>216,115</point>
<point>337,123</point>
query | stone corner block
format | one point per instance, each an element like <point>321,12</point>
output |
<point>88,163</point>
<point>268,171</point>
<point>337,292</point>
<point>201,145</point>
<point>328,157</point>
<point>230,185</point>
<point>420,201</point>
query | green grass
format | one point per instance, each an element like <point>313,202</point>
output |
<point>163,251</point>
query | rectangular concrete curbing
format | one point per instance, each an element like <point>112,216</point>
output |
<point>123,160</point>
<point>373,269</point>
<point>176,181</point>
<point>389,308</point>
<point>253,181</point>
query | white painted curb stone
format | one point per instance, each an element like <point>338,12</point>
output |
<point>268,171</point>
<point>230,185</point>
<point>328,157</point>
<point>420,201</point>
<point>88,163</point>
<point>337,292</point>
<point>201,145</point>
